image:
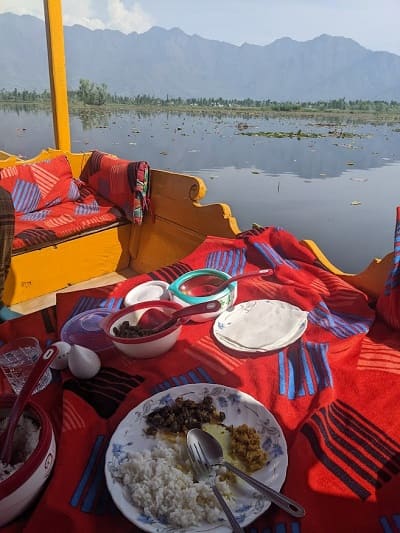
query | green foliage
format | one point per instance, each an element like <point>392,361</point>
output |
<point>90,93</point>
<point>24,96</point>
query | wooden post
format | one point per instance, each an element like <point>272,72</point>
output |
<point>57,73</point>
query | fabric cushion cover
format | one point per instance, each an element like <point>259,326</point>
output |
<point>36,186</point>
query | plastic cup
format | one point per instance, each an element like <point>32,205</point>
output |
<point>17,359</point>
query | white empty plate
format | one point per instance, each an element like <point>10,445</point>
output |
<point>260,326</point>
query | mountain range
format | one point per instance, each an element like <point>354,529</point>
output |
<point>171,63</point>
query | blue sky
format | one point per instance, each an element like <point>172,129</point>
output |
<point>372,23</point>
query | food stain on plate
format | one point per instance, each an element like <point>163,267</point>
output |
<point>224,437</point>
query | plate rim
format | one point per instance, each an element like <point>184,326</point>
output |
<point>177,391</point>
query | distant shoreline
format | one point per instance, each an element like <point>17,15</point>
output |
<point>336,115</point>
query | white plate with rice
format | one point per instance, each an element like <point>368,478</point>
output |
<point>150,480</point>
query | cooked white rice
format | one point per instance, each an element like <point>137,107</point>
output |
<point>160,482</point>
<point>26,438</point>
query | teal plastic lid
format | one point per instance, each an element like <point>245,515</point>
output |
<point>174,287</point>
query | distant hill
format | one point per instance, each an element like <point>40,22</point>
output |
<point>163,62</point>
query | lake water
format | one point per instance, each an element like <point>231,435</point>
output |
<point>305,185</point>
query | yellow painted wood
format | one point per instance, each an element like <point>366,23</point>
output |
<point>316,250</point>
<point>53,268</point>
<point>6,157</point>
<point>371,280</point>
<point>57,72</point>
<point>178,223</point>
<point>50,299</point>
<point>177,197</point>
<point>77,160</point>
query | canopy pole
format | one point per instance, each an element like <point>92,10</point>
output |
<point>57,73</point>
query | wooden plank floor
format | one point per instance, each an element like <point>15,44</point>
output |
<point>29,306</point>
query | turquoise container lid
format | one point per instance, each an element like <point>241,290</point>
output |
<point>174,287</point>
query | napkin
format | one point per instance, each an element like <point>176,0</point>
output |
<point>261,325</point>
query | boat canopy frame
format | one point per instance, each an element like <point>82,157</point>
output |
<point>57,73</point>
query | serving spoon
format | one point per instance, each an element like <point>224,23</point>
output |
<point>154,320</point>
<point>209,284</point>
<point>214,455</point>
<point>7,436</point>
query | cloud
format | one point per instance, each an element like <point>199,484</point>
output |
<point>128,20</point>
<point>113,14</point>
<point>29,7</point>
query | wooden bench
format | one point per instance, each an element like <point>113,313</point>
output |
<point>177,223</point>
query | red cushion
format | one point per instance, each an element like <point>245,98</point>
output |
<point>64,220</point>
<point>35,186</point>
<point>124,183</point>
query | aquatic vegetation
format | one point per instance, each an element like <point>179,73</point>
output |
<point>300,134</point>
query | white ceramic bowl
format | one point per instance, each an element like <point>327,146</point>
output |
<point>148,291</point>
<point>226,297</point>
<point>19,490</point>
<point>148,346</point>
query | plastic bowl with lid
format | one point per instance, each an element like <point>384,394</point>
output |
<point>149,345</point>
<point>226,297</point>
<point>18,490</point>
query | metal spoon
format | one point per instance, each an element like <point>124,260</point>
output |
<point>7,437</point>
<point>147,320</point>
<point>215,456</point>
<point>204,472</point>
<point>209,284</point>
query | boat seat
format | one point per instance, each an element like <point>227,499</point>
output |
<point>66,220</point>
<point>73,221</point>
<point>43,240</point>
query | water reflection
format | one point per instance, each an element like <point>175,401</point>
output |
<point>350,235</point>
<point>91,120</point>
<point>23,109</point>
<point>306,185</point>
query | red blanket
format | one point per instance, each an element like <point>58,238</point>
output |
<point>334,392</point>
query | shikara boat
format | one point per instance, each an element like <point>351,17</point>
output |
<point>323,399</point>
<point>177,223</point>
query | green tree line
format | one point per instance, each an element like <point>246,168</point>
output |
<point>93,94</point>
